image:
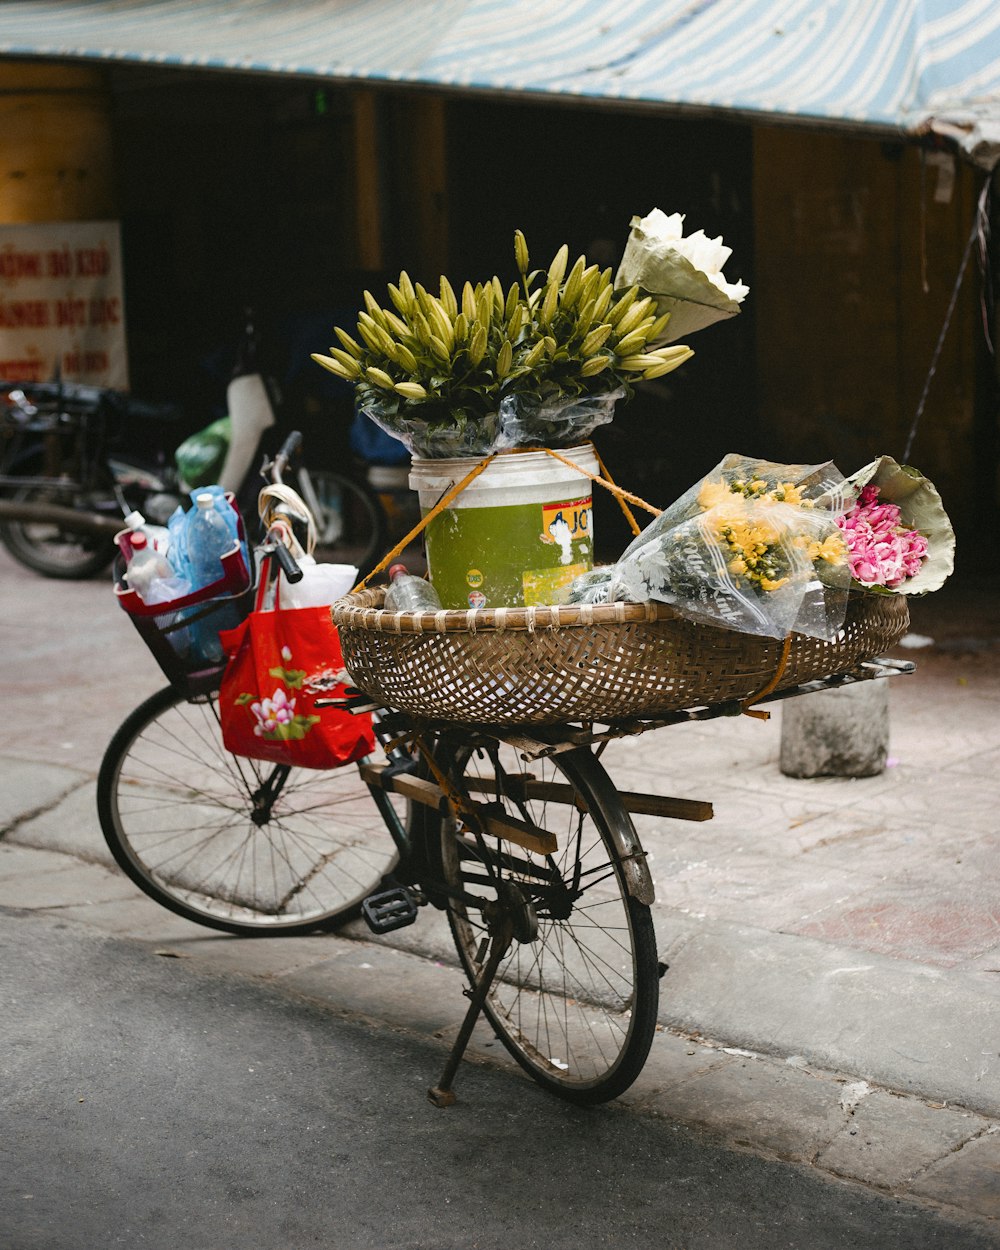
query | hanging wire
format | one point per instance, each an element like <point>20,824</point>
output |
<point>987,298</point>
<point>924,284</point>
<point>979,233</point>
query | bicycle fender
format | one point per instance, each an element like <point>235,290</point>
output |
<point>638,880</point>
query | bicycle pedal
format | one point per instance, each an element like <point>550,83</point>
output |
<point>392,909</point>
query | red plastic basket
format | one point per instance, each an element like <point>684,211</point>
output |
<point>166,627</point>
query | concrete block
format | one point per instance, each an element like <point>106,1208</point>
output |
<point>430,938</point>
<point>756,1102</point>
<point>386,984</point>
<point>19,861</point>
<point>889,1140</point>
<point>69,825</point>
<point>134,915</point>
<point>672,1061</point>
<point>968,1179</point>
<point>63,883</point>
<point>31,787</point>
<point>896,1023</point>
<point>842,732</point>
<point>261,957</point>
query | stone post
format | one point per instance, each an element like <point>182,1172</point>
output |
<point>841,732</point>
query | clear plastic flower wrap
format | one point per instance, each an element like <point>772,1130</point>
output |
<point>754,546</point>
<point>521,420</point>
<point>434,436</point>
<point>527,421</point>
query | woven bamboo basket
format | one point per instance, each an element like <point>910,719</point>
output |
<point>609,662</point>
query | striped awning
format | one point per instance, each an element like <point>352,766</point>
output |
<point>899,66</point>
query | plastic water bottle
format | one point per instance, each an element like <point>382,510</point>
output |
<point>147,567</point>
<point>208,540</point>
<point>158,535</point>
<point>207,537</point>
<point>407,593</point>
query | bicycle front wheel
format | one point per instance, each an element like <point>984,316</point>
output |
<point>576,995</point>
<point>233,843</point>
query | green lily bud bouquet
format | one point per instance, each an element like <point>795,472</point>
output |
<point>539,363</point>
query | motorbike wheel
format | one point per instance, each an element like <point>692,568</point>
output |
<point>50,548</point>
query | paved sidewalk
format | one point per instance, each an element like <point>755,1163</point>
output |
<point>833,995</point>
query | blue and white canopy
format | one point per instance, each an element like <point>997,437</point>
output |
<point>896,66</point>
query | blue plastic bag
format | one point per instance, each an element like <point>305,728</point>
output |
<point>373,445</point>
<point>204,634</point>
<point>178,524</point>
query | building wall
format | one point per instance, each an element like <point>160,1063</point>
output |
<point>294,197</point>
<point>577,175</point>
<point>857,248</point>
<point>56,157</point>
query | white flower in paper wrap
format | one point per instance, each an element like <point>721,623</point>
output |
<point>683,274</point>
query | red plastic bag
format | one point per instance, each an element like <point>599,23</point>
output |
<point>280,663</point>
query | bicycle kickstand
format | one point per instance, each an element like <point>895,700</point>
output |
<point>442,1094</point>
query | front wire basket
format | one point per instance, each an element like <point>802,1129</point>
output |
<point>605,662</point>
<point>176,631</point>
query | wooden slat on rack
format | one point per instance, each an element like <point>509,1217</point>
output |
<point>522,788</point>
<point>494,822</point>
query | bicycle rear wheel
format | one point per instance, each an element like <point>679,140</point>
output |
<point>576,1003</point>
<point>236,844</point>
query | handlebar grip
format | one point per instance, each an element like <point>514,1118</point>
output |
<point>288,563</point>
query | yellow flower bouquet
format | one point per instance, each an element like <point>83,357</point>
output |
<point>754,546</point>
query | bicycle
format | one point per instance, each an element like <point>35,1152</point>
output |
<point>517,834</point>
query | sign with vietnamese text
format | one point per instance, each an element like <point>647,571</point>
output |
<point>61,305</point>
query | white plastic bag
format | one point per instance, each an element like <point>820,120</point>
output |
<point>321,584</point>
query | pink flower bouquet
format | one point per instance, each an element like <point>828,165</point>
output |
<point>897,533</point>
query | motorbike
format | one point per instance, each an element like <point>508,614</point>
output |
<point>65,487</point>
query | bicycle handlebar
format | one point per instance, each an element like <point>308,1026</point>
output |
<point>290,448</point>
<point>289,565</point>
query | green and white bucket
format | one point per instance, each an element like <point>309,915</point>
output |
<point>519,533</point>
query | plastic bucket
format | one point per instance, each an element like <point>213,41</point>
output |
<point>517,536</point>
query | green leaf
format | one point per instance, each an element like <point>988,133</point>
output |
<point>242,700</point>
<point>293,677</point>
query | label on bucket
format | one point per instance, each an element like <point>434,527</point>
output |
<point>570,519</point>
<point>512,555</point>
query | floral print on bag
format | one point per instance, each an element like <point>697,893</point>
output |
<point>276,717</point>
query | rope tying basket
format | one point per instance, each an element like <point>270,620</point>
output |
<point>553,665</point>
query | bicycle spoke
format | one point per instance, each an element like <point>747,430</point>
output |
<point>564,1001</point>
<point>228,841</point>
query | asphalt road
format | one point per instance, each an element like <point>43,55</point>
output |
<point>144,1102</point>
